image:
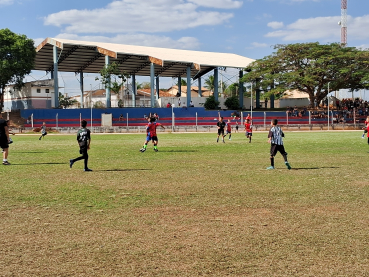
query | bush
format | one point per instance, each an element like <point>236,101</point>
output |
<point>232,103</point>
<point>211,103</point>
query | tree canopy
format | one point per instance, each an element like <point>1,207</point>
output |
<point>112,77</point>
<point>65,101</point>
<point>17,57</point>
<point>311,68</point>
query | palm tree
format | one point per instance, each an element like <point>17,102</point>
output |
<point>209,83</point>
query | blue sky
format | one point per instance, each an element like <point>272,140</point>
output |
<point>249,28</point>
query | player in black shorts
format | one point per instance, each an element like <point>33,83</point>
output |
<point>43,130</point>
<point>84,140</point>
<point>221,125</point>
<point>275,138</point>
<point>4,139</point>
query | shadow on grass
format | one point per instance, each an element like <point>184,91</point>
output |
<point>307,168</point>
<point>178,151</point>
<point>118,169</point>
<point>36,163</point>
<point>30,152</point>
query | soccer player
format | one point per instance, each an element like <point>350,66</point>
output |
<point>151,134</point>
<point>276,144</point>
<point>236,126</point>
<point>4,139</point>
<point>221,125</point>
<point>229,129</point>
<point>84,141</point>
<point>248,129</point>
<point>366,126</point>
<point>367,130</point>
<point>43,130</point>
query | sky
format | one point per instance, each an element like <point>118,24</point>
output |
<point>245,27</point>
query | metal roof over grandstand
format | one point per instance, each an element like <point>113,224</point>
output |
<point>89,57</point>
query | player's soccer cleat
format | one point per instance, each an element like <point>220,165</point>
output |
<point>156,150</point>
<point>143,150</point>
<point>87,169</point>
<point>270,167</point>
<point>288,165</point>
<point>6,163</point>
<point>10,141</point>
<point>71,163</point>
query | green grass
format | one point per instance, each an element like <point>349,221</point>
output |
<point>195,208</point>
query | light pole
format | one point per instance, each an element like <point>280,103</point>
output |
<point>173,118</point>
<point>91,103</point>
<point>252,103</point>
<point>328,104</point>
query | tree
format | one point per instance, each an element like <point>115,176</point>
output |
<point>183,83</point>
<point>211,103</point>
<point>112,77</point>
<point>99,105</point>
<point>65,102</point>
<point>232,103</point>
<point>209,83</point>
<point>311,67</point>
<point>17,58</point>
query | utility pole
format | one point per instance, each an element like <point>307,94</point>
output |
<point>343,22</point>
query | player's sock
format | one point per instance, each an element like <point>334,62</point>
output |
<point>288,165</point>
<point>218,139</point>
<point>272,161</point>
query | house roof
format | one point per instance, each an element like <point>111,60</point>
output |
<point>85,56</point>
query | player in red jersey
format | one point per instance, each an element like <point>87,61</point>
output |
<point>248,129</point>
<point>151,134</point>
<point>229,129</point>
<point>365,128</point>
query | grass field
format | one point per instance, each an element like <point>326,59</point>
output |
<point>195,208</point>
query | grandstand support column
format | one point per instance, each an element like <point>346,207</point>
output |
<point>81,86</point>
<point>272,97</point>
<point>107,88</point>
<point>199,84</point>
<point>272,101</point>
<point>257,94</point>
<point>240,89</point>
<point>157,88</point>
<point>56,83</point>
<point>179,86</point>
<point>134,92</point>
<point>152,84</point>
<point>216,84</point>
<point>188,72</point>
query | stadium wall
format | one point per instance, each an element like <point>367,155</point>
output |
<point>135,117</point>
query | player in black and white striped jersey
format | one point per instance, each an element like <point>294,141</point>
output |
<point>276,144</point>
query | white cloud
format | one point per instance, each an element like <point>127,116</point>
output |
<point>323,28</point>
<point>6,2</point>
<point>259,45</point>
<point>130,16</point>
<point>189,43</point>
<point>275,25</point>
<point>220,4</point>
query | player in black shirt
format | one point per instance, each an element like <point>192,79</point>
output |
<point>84,140</point>
<point>4,139</point>
<point>221,125</point>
